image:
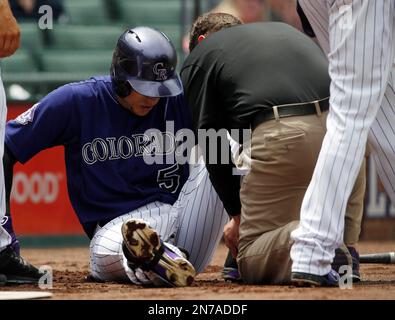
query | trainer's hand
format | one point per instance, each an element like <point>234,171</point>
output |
<point>9,31</point>
<point>231,235</point>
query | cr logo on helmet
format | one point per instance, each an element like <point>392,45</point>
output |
<point>160,71</point>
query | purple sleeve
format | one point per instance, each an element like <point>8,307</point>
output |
<point>46,124</point>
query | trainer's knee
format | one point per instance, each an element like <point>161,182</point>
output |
<point>267,260</point>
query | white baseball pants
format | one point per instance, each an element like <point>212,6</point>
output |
<point>195,222</point>
<point>358,36</point>
<point>5,238</point>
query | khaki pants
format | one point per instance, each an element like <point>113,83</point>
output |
<point>283,156</point>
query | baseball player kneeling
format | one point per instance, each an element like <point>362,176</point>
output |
<point>136,212</point>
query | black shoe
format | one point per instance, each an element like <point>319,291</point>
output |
<point>16,270</point>
<point>344,258</point>
<point>301,279</point>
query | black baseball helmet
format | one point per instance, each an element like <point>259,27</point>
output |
<point>145,60</point>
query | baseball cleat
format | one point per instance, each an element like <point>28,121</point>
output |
<point>347,256</point>
<point>300,279</point>
<point>143,248</point>
<point>15,270</point>
<point>230,272</point>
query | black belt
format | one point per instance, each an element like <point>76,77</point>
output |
<point>290,111</point>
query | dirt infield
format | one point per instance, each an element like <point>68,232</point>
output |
<point>70,268</point>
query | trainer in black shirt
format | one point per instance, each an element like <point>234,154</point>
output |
<point>273,79</point>
<point>239,72</point>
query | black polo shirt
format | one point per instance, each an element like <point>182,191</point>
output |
<point>238,72</point>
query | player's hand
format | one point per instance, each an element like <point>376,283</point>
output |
<point>231,235</point>
<point>9,31</point>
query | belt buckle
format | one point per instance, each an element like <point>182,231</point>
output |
<point>317,107</point>
<point>276,114</point>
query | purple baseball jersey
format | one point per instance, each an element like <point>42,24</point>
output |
<point>104,148</point>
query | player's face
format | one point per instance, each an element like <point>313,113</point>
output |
<point>138,104</point>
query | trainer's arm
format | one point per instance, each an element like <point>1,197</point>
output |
<point>226,184</point>
<point>9,31</point>
<point>202,98</point>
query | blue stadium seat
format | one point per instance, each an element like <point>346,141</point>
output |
<point>70,37</point>
<point>151,12</point>
<point>87,12</point>
<point>94,62</point>
<point>21,61</point>
<point>31,36</point>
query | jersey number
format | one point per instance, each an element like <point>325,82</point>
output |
<point>168,179</point>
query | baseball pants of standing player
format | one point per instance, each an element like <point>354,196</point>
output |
<point>5,238</point>
<point>358,36</point>
<point>195,222</point>
<point>284,154</point>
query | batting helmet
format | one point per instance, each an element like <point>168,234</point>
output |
<point>145,60</point>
